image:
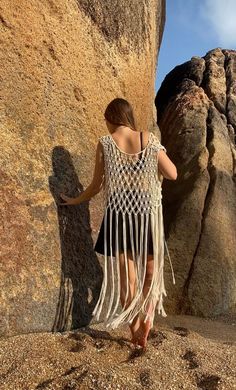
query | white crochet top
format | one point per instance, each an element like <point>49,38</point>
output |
<point>132,188</point>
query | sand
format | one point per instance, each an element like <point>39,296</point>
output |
<point>183,352</point>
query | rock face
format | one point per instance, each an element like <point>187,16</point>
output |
<point>61,63</point>
<point>196,109</point>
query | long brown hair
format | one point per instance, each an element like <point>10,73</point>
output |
<point>120,112</point>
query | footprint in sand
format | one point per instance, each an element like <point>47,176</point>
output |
<point>156,337</point>
<point>144,378</point>
<point>208,382</point>
<point>190,356</point>
<point>184,332</point>
<point>72,343</point>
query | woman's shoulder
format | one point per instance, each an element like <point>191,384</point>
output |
<point>104,141</point>
<point>103,138</point>
<point>156,143</point>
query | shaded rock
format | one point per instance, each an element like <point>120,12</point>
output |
<point>196,115</point>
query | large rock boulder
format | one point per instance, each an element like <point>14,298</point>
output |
<point>61,63</point>
<point>196,110</point>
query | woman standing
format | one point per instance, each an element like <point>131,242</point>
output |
<point>128,167</point>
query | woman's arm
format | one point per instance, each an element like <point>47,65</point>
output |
<point>96,184</point>
<point>166,166</point>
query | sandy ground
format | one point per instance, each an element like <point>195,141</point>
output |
<point>183,353</point>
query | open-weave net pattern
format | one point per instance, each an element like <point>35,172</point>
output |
<point>132,188</point>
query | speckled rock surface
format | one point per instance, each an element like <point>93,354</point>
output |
<point>196,108</point>
<point>182,353</point>
<point>61,63</point>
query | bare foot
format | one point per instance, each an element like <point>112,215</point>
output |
<point>143,333</point>
<point>144,328</point>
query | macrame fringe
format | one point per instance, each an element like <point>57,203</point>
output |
<point>154,297</point>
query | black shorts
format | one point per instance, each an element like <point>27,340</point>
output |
<point>99,245</point>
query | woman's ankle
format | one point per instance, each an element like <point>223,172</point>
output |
<point>135,324</point>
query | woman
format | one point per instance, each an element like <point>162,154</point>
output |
<point>128,167</point>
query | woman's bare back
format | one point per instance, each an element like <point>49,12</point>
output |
<point>129,141</point>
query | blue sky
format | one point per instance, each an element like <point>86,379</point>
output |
<point>192,28</point>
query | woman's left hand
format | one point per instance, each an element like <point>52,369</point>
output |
<point>68,200</point>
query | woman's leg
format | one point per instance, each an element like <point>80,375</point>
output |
<point>148,280</point>
<point>145,326</point>
<point>131,287</point>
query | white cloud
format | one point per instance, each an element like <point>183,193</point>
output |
<point>221,15</point>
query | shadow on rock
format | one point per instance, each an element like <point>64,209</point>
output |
<point>81,273</point>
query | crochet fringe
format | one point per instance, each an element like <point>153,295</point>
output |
<point>157,289</point>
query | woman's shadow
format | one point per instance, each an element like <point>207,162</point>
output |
<point>81,273</point>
